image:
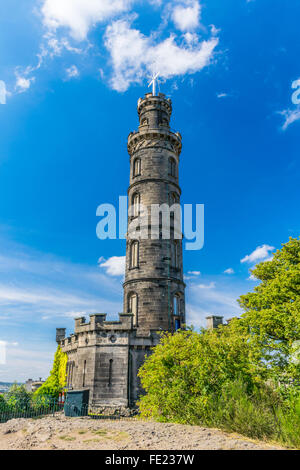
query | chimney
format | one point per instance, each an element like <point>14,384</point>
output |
<point>60,334</point>
<point>213,322</point>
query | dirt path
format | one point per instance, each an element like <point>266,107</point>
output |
<point>85,434</point>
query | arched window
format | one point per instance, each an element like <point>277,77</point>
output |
<point>172,167</point>
<point>175,255</point>
<point>70,372</point>
<point>176,305</point>
<point>136,200</point>
<point>133,306</point>
<point>137,167</point>
<point>134,254</point>
<point>176,260</point>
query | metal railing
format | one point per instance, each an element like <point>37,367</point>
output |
<point>51,407</point>
<point>29,410</point>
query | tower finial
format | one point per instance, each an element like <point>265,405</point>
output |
<point>153,82</point>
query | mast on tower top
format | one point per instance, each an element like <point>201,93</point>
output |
<point>153,82</point>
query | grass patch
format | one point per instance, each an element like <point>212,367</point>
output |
<point>67,438</point>
<point>100,432</point>
<point>120,436</point>
<point>88,441</point>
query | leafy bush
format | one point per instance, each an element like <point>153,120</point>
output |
<point>251,414</point>
<point>204,379</point>
<point>289,422</point>
<point>57,379</point>
<point>2,402</point>
<point>244,376</point>
<point>17,397</point>
<point>187,368</point>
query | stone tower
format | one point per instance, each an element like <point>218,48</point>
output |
<point>154,287</point>
<point>104,357</point>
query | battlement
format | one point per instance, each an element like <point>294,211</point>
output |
<point>98,322</point>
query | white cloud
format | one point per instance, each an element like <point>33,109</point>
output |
<point>115,266</point>
<point>211,285</point>
<point>194,273</point>
<point>2,352</point>
<point>3,92</point>
<point>191,38</point>
<point>45,291</point>
<point>133,55</point>
<point>23,83</point>
<point>214,31</point>
<point>186,17</point>
<point>212,301</point>
<point>32,296</point>
<point>57,46</point>
<point>72,72</point>
<point>290,116</point>
<point>260,253</point>
<point>24,362</point>
<point>80,15</point>
<point>222,95</point>
<point>229,271</point>
<point>43,284</point>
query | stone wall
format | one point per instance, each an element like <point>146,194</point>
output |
<point>157,278</point>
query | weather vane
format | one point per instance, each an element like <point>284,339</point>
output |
<point>154,81</point>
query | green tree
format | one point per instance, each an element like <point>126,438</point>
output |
<point>57,379</point>
<point>17,397</point>
<point>272,312</point>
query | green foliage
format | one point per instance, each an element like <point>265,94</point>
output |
<point>2,403</point>
<point>288,418</point>
<point>272,312</point>
<point>17,397</point>
<point>187,368</point>
<point>57,379</point>
<point>244,376</point>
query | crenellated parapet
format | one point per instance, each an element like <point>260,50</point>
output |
<point>98,322</point>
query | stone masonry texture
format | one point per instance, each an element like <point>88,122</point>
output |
<point>104,357</point>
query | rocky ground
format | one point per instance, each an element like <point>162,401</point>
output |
<point>63,433</point>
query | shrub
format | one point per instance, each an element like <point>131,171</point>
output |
<point>187,368</point>
<point>57,379</point>
<point>211,379</point>
<point>17,397</point>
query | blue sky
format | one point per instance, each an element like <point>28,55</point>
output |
<point>71,73</point>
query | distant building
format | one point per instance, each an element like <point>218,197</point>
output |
<point>33,385</point>
<point>213,322</point>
